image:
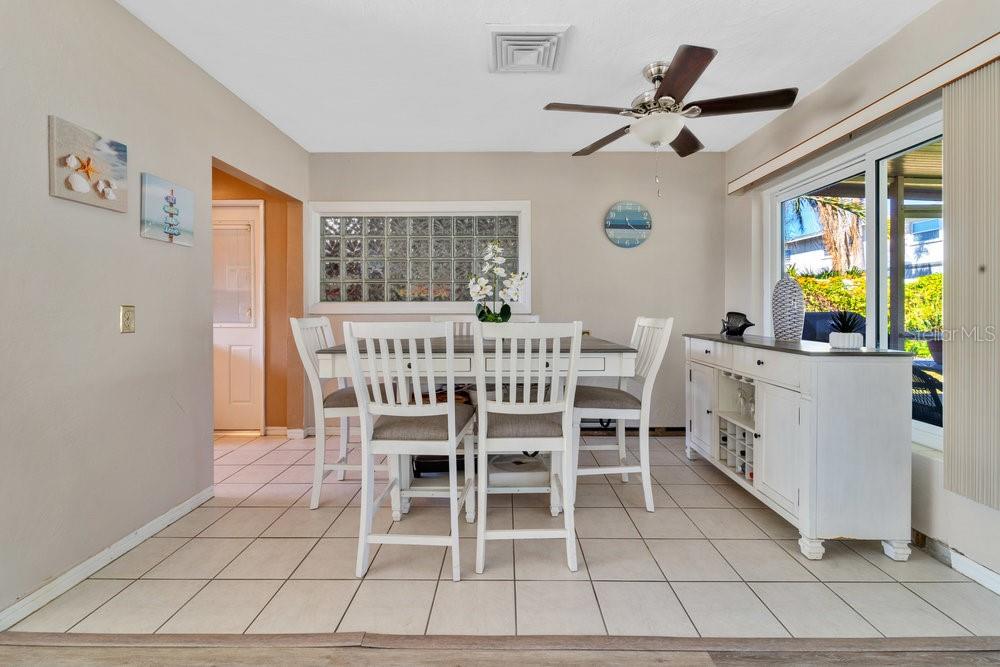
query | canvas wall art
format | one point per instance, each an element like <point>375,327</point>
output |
<point>86,167</point>
<point>167,211</point>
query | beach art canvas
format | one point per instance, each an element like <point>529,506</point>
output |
<point>167,211</point>
<point>627,224</point>
<point>86,167</point>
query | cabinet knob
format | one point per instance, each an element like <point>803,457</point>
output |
<point>708,352</point>
<point>760,362</point>
<point>708,412</point>
<point>756,435</point>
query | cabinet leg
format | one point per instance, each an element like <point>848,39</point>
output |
<point>896,549</point>
<point>810,548</point>
<point>689,453</point>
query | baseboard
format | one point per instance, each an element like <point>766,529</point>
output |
<point>275,430</point>
<point>67,580</point>
<point>973,570</point>
<point>296,433</point>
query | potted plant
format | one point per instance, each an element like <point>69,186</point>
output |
<point>845,333</point>
<point>496,286</point>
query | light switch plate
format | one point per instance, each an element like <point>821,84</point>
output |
<point>126,319</point>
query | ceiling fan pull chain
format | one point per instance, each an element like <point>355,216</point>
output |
<point>656,161</point>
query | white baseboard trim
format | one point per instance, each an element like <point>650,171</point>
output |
<point>296,433</point>
<point>973,570</point>
<point>67,580</point>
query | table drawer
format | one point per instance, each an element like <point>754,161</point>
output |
<point>587,364</point>
<point>775,366</point>
<point>708,351</point>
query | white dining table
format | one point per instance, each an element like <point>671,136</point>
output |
<point>598,358</point>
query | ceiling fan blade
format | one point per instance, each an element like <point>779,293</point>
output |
<point>686,143</point>
<point>762,101</point>
<point>585,108</point>
<point>603,141</point>
<point>687,66</point>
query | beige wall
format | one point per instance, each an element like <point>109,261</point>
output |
<point>576,272</point>
<point>101,432</point>
<point>941,33</point>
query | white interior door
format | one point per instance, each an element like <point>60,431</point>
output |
<point>237,315</point>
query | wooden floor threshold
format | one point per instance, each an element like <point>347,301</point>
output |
<point>374,649</point>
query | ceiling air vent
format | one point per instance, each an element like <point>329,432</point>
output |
<point>526,48</point>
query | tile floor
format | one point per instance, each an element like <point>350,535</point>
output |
<point>711,561</point>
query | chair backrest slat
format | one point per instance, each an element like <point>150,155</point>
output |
<point>517,348</point>
<point>650,337</point>
<point>399,360</point>
<point>312,334</point>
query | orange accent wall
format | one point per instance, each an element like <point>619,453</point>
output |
<point>283,376</point>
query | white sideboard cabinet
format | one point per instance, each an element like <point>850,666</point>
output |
<point>819,435</point>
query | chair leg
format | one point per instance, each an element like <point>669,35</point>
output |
<point>394,495</point>
<point>554,475</point>
<point>575,457</point>
<point>481,479</point>
<point>568,481</point>
<point>345,434</point>
<point>453,510</point>
<point>367,509</point>
<point>470,478</point>
<point>319,462</point>
<point>647,484</point>
<point>620,433</point>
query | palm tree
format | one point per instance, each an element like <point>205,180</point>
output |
<point>840,218</point>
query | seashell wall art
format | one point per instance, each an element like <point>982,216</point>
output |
<point>86,167</point>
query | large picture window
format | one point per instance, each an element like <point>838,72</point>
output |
<point>407,256</point>
<point>865,233</point>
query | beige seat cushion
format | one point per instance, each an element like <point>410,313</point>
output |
<point>607,398</point>
<point>434,427</point>
<point>500,425</point>
<point>346,398</point>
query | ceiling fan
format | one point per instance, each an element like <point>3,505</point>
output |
<point>659,114</point>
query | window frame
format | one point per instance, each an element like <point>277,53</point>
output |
<point>862,155</point>
<point>311,259</point>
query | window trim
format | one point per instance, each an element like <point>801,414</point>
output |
<point>311,260</point>
<point>861,155</point>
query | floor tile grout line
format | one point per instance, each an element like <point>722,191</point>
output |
<point>851,607</point>
<point>94,610</point>
<point>185,603</point>
<point>934,606</point>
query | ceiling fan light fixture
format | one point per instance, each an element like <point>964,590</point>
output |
<point>657,129</point>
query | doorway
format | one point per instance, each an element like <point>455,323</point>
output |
<point>238,314</point>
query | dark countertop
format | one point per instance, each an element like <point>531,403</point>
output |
<point>465,345</point>
<point>809,348</point>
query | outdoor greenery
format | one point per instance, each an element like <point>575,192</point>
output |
<point>832,291</point>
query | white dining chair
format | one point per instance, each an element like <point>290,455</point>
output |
<point>649,337</point>
<point>401,415</point>
<point>531,409</point>
<point>312,334</point>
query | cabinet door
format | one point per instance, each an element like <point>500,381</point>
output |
<point>701,382</point>
<point>779,445</point>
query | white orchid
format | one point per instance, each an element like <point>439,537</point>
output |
<point>495,283</point>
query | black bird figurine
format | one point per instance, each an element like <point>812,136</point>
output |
<point>735,324</point>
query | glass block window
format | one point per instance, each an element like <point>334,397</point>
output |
<point>401,258</point>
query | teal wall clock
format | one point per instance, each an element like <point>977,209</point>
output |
<point>628,224</point>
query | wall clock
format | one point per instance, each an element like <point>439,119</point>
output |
<point>628,224</point>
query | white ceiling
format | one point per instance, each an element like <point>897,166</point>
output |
<point>413,75</point>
